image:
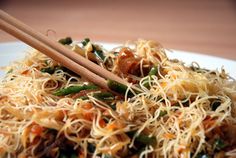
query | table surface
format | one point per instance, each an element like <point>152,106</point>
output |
<point>204,26</point>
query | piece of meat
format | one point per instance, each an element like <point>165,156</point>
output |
<point>127,63</point>
<point>229,134</point>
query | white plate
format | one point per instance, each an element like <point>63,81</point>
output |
<point>12,51</point>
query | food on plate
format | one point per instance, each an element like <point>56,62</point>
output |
<point>48,111</point>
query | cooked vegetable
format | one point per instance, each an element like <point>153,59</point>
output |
<point>117,87</point>
<point>142,138</point>
<point>74,89</point>
<point>146,139</point>
<point>49,70</point>
<point>99,54</point>
<point>104,96</point>
<point>162,113</point>
<point>85,41</point>
<point>66,41</point>
<point>113,106</point>
<point>152,72</point>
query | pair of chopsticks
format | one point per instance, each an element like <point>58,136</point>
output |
<point>56,51</point>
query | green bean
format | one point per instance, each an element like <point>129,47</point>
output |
<point>162,113</point>
<point>152,72</point>
<point>66,41</point>
<point>144,139</point>
<point>104,96</point>
<point>49,70</point>
<point>118,87</point>
<point>84,97</point>
<point>74,89</point>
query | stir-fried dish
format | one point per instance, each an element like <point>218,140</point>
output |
<point>48,111</point>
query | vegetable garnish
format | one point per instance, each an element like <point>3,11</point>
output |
<point>74,89</point>
<point>66,41</point>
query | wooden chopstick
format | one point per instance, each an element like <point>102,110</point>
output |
<point>60,48</point>
<point>70,64</point>
<point>56,51</point>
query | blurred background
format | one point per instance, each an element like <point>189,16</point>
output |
<point>204,26</point>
